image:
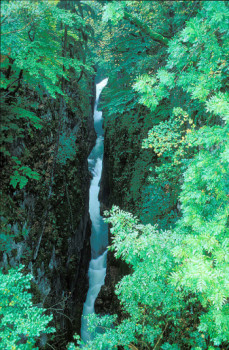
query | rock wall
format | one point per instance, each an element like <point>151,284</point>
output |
<point>107,302</point>
<point>51,222</point>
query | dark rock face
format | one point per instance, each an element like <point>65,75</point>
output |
<point>55,211</point>
<point>107,302</point>
<point>104,193</point>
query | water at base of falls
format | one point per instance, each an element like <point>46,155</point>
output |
<point>99,235</point>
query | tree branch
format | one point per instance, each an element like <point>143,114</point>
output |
<point>18,30</point>
<point>161,335</point>
<point>4,19</point>
<point>145,28</point>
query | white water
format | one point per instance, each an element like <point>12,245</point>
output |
<point>99,236</point>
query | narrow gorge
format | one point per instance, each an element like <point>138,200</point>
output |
<point>114,192</point>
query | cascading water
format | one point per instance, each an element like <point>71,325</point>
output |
<point>99,235</point>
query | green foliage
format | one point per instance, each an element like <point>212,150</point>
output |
<point>22,174</point>
<point>219,105</point>
<point>21,323</point>
<point>157,203</point>
<point>172,275</point>
<point>31,52</point>
<point>204,252</point>
<point>200,72</point>
<point>67,148</point>
<point>36,62</point>
<point>151,301</point>
<point>176,296</point>
<point>114,11</point>
<point>46,67</point>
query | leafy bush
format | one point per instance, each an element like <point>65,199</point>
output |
<point>21,322</point>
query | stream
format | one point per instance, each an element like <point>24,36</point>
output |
<point>99,235</point>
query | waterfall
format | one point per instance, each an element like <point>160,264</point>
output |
<point>99,235</point>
